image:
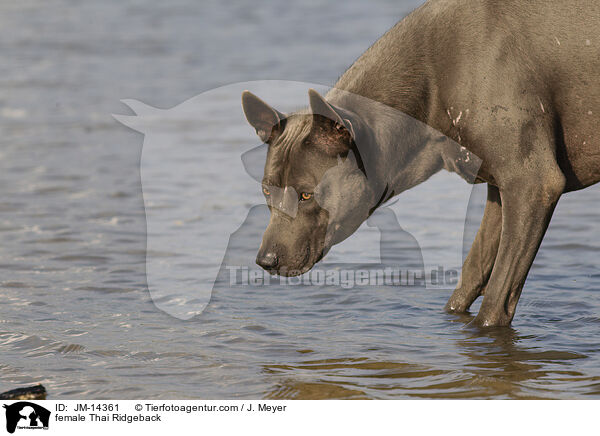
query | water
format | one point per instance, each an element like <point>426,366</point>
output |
<point>75,310</point>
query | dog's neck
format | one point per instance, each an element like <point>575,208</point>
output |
<point>395,71</point>
<point>394,99</point>
<point>400,151</point>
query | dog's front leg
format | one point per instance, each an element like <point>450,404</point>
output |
<point>528,201</point>
<point>480,260</point>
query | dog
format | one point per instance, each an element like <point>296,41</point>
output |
<point>511,85</point>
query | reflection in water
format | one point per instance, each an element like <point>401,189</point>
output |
<point>500,365</point>
<point>496,366</point>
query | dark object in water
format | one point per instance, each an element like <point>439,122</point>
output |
<point>37,392</point>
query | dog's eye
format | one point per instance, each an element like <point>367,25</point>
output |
<point>305,196</point>
<point>266,191</point>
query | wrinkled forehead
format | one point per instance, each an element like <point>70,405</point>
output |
<point>286,155</point>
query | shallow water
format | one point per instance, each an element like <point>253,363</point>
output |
<point>75,310</point>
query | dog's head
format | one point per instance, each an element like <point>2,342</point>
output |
<point>314,181</point>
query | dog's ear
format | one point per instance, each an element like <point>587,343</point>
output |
<point>320,106</point>
<point>260,115</point>
<point>332,129</point>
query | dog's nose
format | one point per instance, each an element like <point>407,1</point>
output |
<point>267,261</point>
